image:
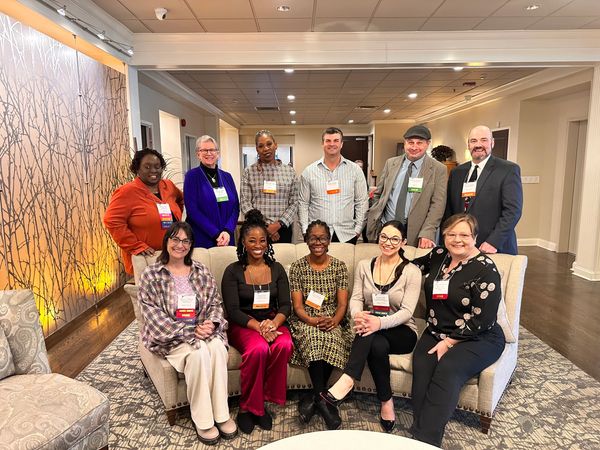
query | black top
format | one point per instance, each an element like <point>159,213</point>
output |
<point>212,175</point>
<point>474,293</point>
<point>239,296</point>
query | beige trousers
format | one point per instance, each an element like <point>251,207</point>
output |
<point>205,371</point>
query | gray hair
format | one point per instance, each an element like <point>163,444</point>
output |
<point>206,138</point>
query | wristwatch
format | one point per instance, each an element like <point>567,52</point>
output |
<point>281,223</point>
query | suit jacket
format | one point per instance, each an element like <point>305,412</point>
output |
<point>207,217</point>
<point>132,217</point>
<point>497,206</point>
<point>426,208</point>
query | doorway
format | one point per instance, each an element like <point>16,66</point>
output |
<point>356,148</point>
<point>170,145</point>
<point>571,209</point>
<point>500,143</point>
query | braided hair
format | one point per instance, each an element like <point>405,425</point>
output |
<point>254,219</point>
<point>317,223</point>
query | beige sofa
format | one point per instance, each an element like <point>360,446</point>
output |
<point>40,409</point>
<point>479,395</point>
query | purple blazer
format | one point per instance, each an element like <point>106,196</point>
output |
<point>207,217</point>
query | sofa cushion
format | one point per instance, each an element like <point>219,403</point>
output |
<point>19,318</point>
<point>7,366</point>
<point>50,411</point>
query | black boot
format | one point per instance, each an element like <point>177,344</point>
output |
<point>328,410</point>
<point>306,408</point>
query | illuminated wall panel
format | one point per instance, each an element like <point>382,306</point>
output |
<point>63,150</point>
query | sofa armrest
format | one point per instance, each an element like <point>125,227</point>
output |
<point>164,377</point>
<point>494,379</point>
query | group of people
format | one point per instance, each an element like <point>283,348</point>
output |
<point>309,319</point>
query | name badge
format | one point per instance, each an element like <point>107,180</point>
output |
<point>186,307</point>
<point>333,187</point>
<point>440,289</point>
<point>469,189</point>
<point>381,304</point>
<point>166,217</point>
<point>270,187</point>
<point>261,299</point>
<point>315,300</point>
<point>415,184</point>
<point>221,194</point>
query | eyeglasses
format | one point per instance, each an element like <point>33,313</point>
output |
<point>461,236</point>
<point>205,151</point>
<point>184,242</point>
<point>318,240</point>
<point>394,240</point>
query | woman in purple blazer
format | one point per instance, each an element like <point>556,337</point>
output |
<point>210,197</point>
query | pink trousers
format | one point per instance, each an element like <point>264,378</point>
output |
<point>263,373</point>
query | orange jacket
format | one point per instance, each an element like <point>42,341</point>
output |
<point>132,217</point>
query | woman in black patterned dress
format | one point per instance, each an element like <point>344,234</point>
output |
<point>321,332</point>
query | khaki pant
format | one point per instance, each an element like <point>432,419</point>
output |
<point>205,371</point>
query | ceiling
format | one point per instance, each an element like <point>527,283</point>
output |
<point>234,16</point>
<point>337,96</point>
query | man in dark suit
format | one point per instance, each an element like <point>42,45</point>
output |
<point>490,189</point>
<point>411,189</point>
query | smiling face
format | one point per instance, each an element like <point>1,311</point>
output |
<point>415,148</point>
<point>150,171</point>
<point>255,242</point>
<point>480,143</point>
<point>390,240</point>
<point>318,240</point>
<point>459,240</point>
<point>178,246</point>
<point>266,147</point>
<point>208,154</point>
<point>332,144</point>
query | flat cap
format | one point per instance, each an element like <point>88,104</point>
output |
<point>419,131</point>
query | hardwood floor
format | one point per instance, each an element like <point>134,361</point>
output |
<point>559,308</point>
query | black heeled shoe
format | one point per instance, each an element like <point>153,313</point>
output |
<point>327,407</point>
<point>265,421</point>
<point>306,408</point>
<point>387,425</point>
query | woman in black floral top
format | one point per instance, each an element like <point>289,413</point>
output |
<point>462,338</point>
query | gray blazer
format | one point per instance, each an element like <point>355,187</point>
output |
<point>427,207</point>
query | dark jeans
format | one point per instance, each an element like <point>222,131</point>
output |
<point>376,350</point>
<point>436,384</point>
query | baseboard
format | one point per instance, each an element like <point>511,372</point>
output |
<point>584,273</point>
<point>534,242</point>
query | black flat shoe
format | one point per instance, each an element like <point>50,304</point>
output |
<point>306,408</point>
<point>328,411</point>
<point>245,422</point>
<point>387,425</point>
<point>265,421</point>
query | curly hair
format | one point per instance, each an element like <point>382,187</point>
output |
<point>254,219</point>
<point>136,162</point>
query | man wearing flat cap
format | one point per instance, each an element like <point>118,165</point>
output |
<point>411,189</point>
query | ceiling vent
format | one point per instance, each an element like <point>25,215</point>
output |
<point>267,108</point>
<point>367,107</point>
<point>469,84</point>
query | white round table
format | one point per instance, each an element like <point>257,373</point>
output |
<point>346,440</point>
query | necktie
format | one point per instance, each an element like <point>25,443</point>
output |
<point>473,176</point>
<point>401,203</point>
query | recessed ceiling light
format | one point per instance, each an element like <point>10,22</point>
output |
<point>458,68</point>
<point>292,112</point>
<point>532,7</point>
<point>293,122</point>
<point>289,70</point>
<point>283,8</point>
<point>412,95</point>
<point>291,97</point>
<point>351,121</point>
<point>130,51</point>
<point>62,11</point>
<point>387,111</point>
<point>101,36</point>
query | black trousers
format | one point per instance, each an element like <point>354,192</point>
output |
<point>334,238</point>
<point>436,384</point>
<point>285,235</point>
<point>376,349</point>
<point>319,372</point>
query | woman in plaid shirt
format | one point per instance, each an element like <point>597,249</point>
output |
<point>184,323</point>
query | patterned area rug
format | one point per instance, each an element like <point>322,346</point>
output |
<point>551,404</point>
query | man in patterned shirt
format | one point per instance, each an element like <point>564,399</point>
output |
<point>333,189</point>
<point>272,188</point>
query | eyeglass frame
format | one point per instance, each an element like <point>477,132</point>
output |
<point>461,236</point>
<point>206,151</point>
<point>185,242</point>
<point>382,239</point>
<point>318,239</point>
